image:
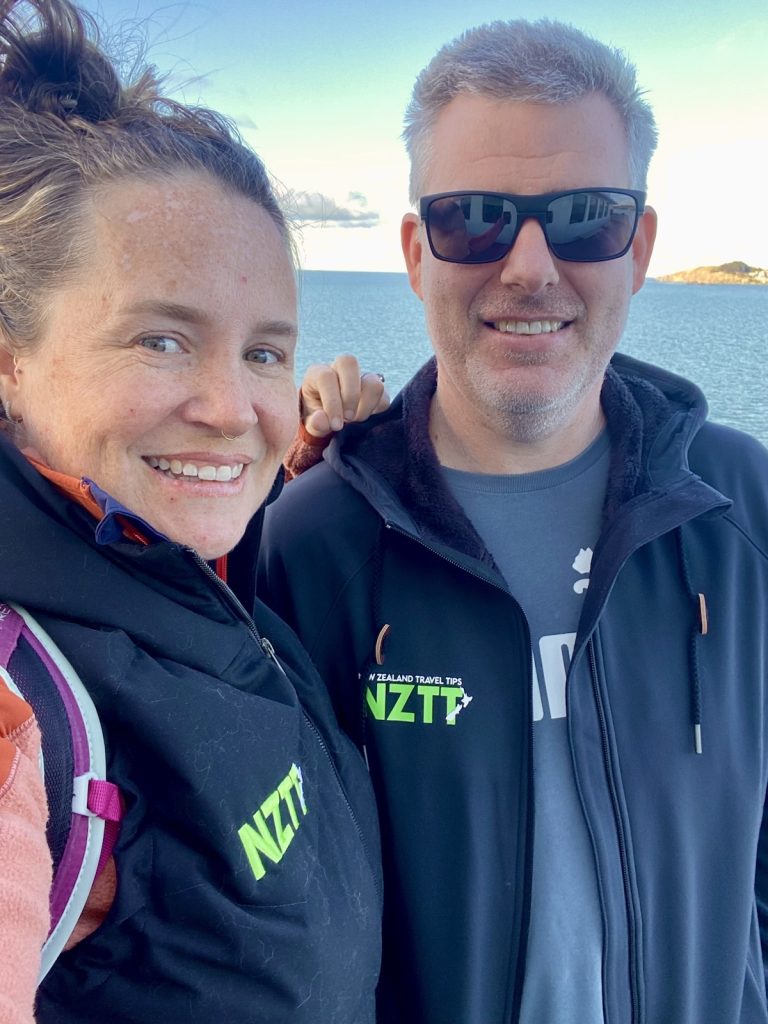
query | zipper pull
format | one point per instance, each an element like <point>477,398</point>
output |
<point>269,650</point>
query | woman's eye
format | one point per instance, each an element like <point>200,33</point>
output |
<point>262,355</point>
<point>160,343</point>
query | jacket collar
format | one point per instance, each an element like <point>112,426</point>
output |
<point>652,416</point>
<point>47,505</point>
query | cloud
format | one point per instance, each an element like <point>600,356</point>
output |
<point>315,209</point>
<point>246,122</point>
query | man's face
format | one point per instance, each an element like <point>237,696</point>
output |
<point>522,344</point>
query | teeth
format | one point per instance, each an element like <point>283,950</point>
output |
<point>175,467</point>
<point>528,326</point>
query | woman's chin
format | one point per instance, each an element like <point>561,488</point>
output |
<point>210,548</point>
<point>209,545</point>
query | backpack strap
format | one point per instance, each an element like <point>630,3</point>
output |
<point>84,809</point>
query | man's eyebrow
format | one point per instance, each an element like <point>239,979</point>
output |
<point>192,315</point>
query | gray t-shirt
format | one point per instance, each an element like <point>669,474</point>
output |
<point>541,529</point>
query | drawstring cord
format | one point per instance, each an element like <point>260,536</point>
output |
<point>383,631</point>
<point>699,627</point>
<point>379,649</point>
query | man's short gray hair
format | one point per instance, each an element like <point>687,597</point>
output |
<point>535,62</point>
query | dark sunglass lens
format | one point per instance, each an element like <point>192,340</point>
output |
<point>591,226</point>
<point>471,228</point>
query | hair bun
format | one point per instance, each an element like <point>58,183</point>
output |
<point>56,69</point>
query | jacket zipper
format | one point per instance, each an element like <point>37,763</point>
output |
<point>631,924</point>
<point>632,942</point>
<point>268,650</point>
<point>447,558</point>
<point>231,597</point>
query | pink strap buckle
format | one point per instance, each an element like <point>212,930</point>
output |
<point>105,802</point>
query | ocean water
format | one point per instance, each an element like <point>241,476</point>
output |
<point>715,335</point>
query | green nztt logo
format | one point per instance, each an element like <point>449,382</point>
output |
<point>413,698</point>
<point>275,823</point>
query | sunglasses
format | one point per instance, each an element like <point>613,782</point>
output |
<point>583,225</point>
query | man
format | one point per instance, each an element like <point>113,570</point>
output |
<point>538,585</point>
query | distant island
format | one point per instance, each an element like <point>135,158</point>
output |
<point>728,273</point>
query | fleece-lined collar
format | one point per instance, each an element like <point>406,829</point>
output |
<point>646,410</point>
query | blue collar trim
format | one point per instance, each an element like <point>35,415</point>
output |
<point>109,529</point>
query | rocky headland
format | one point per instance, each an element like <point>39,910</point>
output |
<point>727,273</point>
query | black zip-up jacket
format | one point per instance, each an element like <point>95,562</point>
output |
<point>374,564</point>
<point>247,878</point>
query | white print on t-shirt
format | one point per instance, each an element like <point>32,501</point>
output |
<point>555,652</point>
<point>582,563</point>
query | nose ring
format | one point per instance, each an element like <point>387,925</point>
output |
<point>230,437</point>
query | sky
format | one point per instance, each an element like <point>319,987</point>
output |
<point>319,90</point>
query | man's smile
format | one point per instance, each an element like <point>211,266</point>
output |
<point>528,326</point>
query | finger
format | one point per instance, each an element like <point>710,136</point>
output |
<point>318,425</point>
<point>320,392</point>
<point>373,396</point>
<point>383,403</point>
<point>348,373</point>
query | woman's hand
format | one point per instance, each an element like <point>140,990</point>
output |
<point>338,393</point>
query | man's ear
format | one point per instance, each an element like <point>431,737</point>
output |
<point>410,239</point>
<point>9,373</point>
<point>642,247</point>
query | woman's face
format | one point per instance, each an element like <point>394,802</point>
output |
<point>181,330</point>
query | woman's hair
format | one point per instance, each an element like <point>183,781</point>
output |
<point>534,62</point>
<point>68,127</point>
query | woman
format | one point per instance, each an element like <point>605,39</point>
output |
<point>147,333</point>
